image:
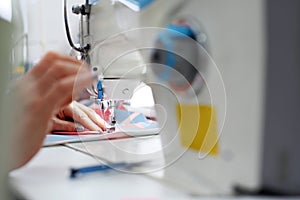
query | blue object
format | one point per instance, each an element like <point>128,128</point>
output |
<point>100,90</point>
<point>141,3</point>
<point>166,38</point>
<point>136,5</point>
<point>92,2</point>
<point>122,115</point>
<point>180,30</point>
<point>84,170</point>
<point>52,139</point>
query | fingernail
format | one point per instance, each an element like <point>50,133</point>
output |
<point>100,130</point>
<point>79,128</point>
<point>107,125</point>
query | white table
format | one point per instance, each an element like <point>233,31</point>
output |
<point>46,176</point>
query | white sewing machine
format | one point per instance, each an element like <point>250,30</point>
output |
<point>210,108</point>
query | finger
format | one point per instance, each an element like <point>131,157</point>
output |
<point>58,71</point>
<point>48,60</point>
<point>66,90</point>
<point>75,112</point>
<point>61,125</point>
<point>93,116</point>
<point>81,117</point>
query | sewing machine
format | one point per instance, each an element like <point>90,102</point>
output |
<point>194,91</point>
<point>117,80</point>
<point>112,53</point>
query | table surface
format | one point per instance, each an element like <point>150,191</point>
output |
<point>46,176</point>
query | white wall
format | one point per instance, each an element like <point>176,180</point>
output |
<point>46,28</point>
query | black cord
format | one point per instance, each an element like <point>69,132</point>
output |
<point>80,49</point>
<point>88,6</point>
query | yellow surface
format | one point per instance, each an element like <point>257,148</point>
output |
<point>19,70</point>
<point>198,128</point>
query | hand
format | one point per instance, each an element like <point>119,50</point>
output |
<point>52,84</point>
<point>85,116</point>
